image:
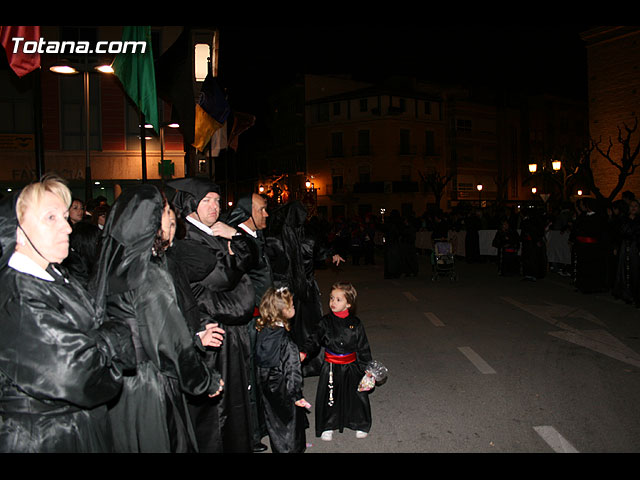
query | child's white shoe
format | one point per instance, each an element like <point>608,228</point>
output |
<point>327,435</point>
<point>361,434</point>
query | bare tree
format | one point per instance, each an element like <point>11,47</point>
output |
<point>626,164</point>
<point>502,184</point>
<point>435,182</point>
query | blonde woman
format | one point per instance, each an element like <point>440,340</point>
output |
<point>59,362</point>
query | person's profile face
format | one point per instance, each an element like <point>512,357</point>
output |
<point>47,226</point>
<point>259,212</point>
<point>168,224</point>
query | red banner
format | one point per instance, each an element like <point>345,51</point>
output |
<point>23,58</point>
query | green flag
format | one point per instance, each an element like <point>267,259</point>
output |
<point>135,70</point>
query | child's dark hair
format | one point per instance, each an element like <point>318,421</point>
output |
<point>271,306</point>
<point>350,293</point>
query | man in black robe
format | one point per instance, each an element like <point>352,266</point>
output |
<point>534,249</point>
<point>216,262</point>
<point>249,218</point>
<point>587,238</point>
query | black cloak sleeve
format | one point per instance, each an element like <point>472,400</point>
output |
<point>53,347</point>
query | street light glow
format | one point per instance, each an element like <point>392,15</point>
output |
<point>105,69</point>
<point>65,69</point>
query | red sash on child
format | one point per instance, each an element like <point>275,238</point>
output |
<point>587,239</point>
<point>341,359</point>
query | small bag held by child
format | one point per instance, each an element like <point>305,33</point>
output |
<point>374,372</point>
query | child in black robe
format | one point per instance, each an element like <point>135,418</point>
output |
<point>339,404</point>
<point>279,373</point>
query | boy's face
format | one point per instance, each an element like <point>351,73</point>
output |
<point>338,301</point>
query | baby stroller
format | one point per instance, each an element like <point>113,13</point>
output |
<point>443,261</point>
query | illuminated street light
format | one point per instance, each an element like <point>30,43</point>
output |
<point>534,190</point>
<point>68,68</point>
<point>533,167</point>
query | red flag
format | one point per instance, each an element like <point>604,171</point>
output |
<point>241,123</point>
<point>22,60</point>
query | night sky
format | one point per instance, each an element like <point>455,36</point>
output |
<point>254,60</point>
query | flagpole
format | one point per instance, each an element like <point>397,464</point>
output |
<point>37,117</point>
<point>88,189</point>
<point>143,147</point>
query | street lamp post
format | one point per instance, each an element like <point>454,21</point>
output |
<point>68,68</point>
<point>556,165</point>
<point>479,187</point>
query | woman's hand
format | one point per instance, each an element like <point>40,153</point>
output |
<point>212,335</point>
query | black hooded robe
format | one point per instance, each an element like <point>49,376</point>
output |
<point>151,414</point>
<point>225,295</point>
<point>60,363</point>
<point>261,278</point>
<point>294,250</point>
<point>280,377</point>
<point>534,251</point>
<point>507,242</point>
<point>627,280</point>
<point>590,256</point>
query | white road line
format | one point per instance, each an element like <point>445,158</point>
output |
<point>434,319</point>
<point>410,296</point>
<point>557,442</point>
<point>474,358</point>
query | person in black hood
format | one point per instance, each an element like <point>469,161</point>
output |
<point>60,360</point>
<point>132,282</point>
<point>294,249</point>
<point>249,218</point>
<point>216,262</point>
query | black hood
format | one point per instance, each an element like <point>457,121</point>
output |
<point>241,213</point>
<point>127,239</point>
<point>8,226</point>
<point>189,193</point>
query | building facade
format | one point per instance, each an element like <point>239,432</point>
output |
<point>114,155</point>
<point>613,64</point>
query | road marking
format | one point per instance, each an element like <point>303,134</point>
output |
<point>434,319</point>
<point>598,340</point>
<point>602,342</point>
<point>557,442</point>
<point>474,358</point>
<point>410,296</point>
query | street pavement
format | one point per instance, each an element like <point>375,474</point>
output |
<point>490,364</point>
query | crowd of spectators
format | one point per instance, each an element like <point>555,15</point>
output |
<point>603,240</point>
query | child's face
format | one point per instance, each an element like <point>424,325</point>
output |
<point>338,301</point>
<point>289,311</point>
